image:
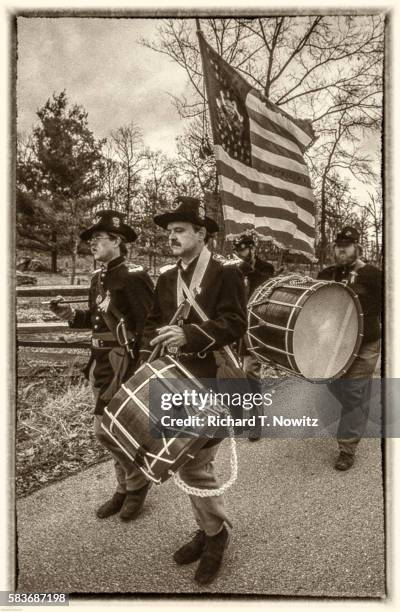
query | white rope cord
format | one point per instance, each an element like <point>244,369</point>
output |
<point>213,492</point>
<point>297,279</point>
<point>187,291</point>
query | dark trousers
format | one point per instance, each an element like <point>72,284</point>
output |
<point>353,391</point>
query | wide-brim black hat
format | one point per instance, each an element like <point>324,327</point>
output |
<point>347,235</point>
<point>190,210</point>
<point>112,222</point>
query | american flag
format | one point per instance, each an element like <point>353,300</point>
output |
<point>263,178</point>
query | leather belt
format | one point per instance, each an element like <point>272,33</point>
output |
<point>103,335</point>
<point>99,343</point>
<point>200,355</point>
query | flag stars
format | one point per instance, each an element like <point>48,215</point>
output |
<point>230,118</point>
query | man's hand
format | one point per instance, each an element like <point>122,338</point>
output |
<point>170,335</point>
<point>63,311</point>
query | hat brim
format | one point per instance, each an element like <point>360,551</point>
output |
<point>345,242</point>
<point>125,231</point>
<point>163,220</point>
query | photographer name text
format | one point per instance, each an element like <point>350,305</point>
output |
<point>228,421</point>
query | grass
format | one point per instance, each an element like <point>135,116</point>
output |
<point>54,436</point>
<point>54,412</point>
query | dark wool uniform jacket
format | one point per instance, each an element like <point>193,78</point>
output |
<point>257,275</point>
<point>367,284</point>
<point>131,293</point>
<point>222,298</point>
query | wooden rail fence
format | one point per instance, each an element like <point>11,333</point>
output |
<point>32,338</point>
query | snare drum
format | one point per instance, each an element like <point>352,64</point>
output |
<point>127,420</point>
<point>309,327</point>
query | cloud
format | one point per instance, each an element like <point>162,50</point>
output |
<point>104,68</point>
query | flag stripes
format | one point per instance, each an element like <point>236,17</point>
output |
<point>276,121</point>
<point>258,205</point>
<point>283,156</point>
<point>261,183</point>
<point>265,164</point>
<point>285,146</point>
<point>288,218</point>
<point>259,149</point>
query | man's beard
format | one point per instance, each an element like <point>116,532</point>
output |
<point>342,259</point>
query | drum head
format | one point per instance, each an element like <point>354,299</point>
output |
<point>326,333</point>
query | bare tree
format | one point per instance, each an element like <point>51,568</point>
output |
<point>112,180</point>
<point>374,210</point>
<point>363,225</point>
<point>338,151</point>
<point>177,39</point>
<point>128,149</point>
<point>325,68</point>
<point>340,204</point>
<point>319,65</point>
<point>196,160</point>
<point>159,187</point>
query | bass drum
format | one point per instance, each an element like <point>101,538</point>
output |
<point>129,422</point>
<point>309,327</point>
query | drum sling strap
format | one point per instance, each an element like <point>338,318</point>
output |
<point>233,458</point>
<point>223,356</point>
<point>115,322</point>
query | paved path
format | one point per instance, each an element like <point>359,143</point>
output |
<point>300,528</point>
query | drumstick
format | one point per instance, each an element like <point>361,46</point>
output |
<point>69,301</point>
<point>172,321</point>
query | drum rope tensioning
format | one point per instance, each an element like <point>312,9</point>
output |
<point>127,417</point>
<point>127,421</point>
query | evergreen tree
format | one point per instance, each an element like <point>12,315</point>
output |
<point>66,172</point>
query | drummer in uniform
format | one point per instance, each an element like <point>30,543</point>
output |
<point>119,299</point>
<point>221,295</point>
<point>256,272</point>
<point>354,388</point>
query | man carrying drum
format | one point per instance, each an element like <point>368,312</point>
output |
<point>219,291</point>
<point>119,300</point>
<point>354,388</point>
<point>255,271</point>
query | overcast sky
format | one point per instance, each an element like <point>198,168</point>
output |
<point>103,67</point>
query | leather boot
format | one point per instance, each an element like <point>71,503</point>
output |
<point>133,503</point>
<point>211,558</point>
<point>344,461</point>
<point>112,506</point>
<point>192,550</point>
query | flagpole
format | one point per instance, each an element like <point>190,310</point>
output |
<point>199,33</point>
<point>232,101</point>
